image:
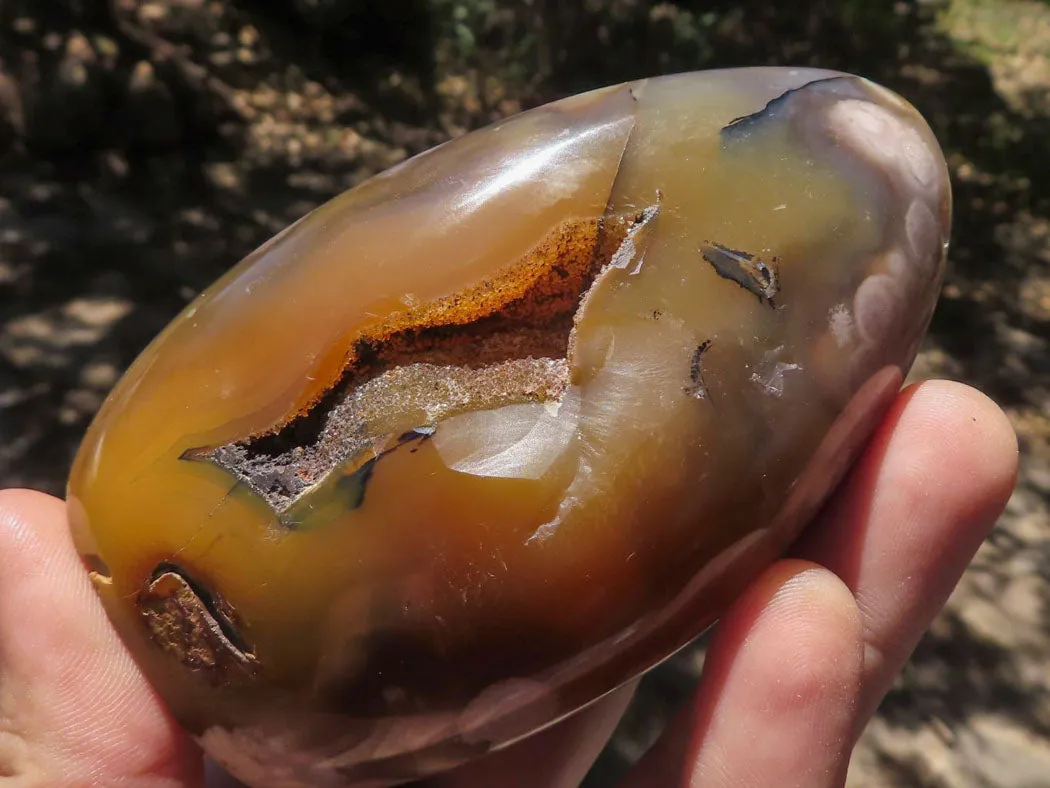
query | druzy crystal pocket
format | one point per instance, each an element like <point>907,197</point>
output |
<point>499,429</point>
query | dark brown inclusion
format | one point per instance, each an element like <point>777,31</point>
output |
<point>746,269</point>
<point>199,628</point>
<point>697,388</point>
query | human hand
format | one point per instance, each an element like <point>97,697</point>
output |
<point>795,671</point>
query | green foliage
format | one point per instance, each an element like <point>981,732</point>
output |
<point>460,21</point>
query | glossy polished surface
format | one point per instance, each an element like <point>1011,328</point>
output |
<point>492,433</point>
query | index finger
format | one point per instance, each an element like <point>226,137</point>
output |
<point>910,517</point>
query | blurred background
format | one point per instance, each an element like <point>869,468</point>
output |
<point>146,146</point>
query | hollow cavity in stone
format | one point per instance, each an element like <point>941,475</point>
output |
<point>508,340</point>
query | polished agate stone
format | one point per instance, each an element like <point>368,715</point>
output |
<point>498,430</point>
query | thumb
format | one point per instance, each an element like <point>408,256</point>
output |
<point>74,708</point>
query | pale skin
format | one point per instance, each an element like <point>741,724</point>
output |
<point>796,668</point>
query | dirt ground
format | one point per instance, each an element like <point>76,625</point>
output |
<point>147,146</point>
